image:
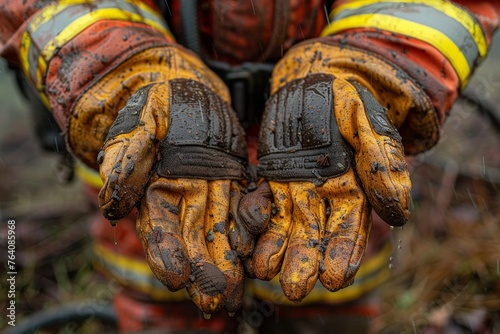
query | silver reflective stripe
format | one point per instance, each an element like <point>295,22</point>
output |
<point>48,31</point>
<point>425,15</point>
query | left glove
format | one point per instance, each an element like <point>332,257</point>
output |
<point>175,150</point>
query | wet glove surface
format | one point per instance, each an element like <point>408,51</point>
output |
<point>175,151</point>
<point>329,153</point>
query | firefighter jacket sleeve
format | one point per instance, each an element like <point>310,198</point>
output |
<point>344,110</point>
<point>153,119</point>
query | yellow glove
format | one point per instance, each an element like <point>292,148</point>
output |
<point>174,151</point>
<point>330,153</point>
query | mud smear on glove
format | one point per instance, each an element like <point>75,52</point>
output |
<point>255,209</point>
<point>205,139</point>
<point>208,278</point>
<point>240,238</point>
<point>390,202</point>
<point>167,259</point>
<point>304,144</point>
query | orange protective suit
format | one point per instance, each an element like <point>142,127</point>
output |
<point>64,53</point>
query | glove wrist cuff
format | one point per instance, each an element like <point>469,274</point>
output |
<point>408,106</point>
<point>194,162</point>
<point>95,110</point>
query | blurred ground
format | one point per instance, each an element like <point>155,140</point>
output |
<point>446,261</point>
<point>53,257</point>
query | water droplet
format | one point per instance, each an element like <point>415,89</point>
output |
<point>114,235</point>
<point>114,223</point>
<point>390,265</point>
<point>399,247</point>
<point>207,316</point>
<point>392,227</point>
<point>390,259</point>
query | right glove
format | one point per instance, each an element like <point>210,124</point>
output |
<point>329,153</point>
<point>328,143</point>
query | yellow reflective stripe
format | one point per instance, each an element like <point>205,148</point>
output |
<point>451,10</point>
<point>43,17</point>
<point>36,72</point>
<point>40,73</point>
<point>136,274</point>
<point>51,10</point>
<point>375,262</point>
<point>78,25</point>
<point>25,67</point>
<point>372,273</point>
<point>45,100</point>
<point>85,21</point>
<point>23,52</point>
<point>145,8</point>
<point>407,28</point>
<point>88,175</point>
<point>122,261</point>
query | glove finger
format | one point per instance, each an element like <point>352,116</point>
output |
<point>270,248</point>
<point>346,234</point>
<point>240,239</point>
<point>125,169</point>
<point>379,153</point>
<point>216,235</point>
<point>255,209</point>
<point>299,271</point>
<point>387,181</point>
<point>158,227</point>
<point>129,151</point>
<point>208,282</point>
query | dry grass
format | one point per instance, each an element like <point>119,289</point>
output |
<point>447,273</point>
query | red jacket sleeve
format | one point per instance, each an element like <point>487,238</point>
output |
<point>64,48</point>
<point>438,43</point>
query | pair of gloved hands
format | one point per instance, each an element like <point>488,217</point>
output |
<point>328,153</point>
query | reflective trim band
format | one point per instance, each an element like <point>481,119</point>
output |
<point>448,28</point>
<point>88,175</point>
<point>58,23</point>
<point>372,273</point>
<point>429,17</point>
<point>136,274</point>
<point>451,10</point>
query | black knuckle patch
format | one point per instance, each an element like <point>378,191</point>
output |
<point>377,114</point>
<point>205,139</point>
<point>128,118</point>
<point>299,136</point>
